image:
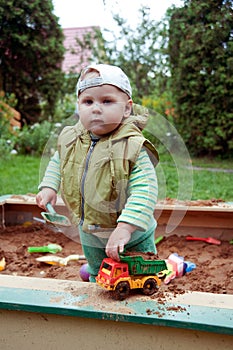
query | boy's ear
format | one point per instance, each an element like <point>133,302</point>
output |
<point>128,108</point>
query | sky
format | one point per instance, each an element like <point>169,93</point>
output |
<point>77,13</point>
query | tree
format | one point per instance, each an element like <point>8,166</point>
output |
<point>137,52</point>
<point>201,57</point>
<point>31,53</point>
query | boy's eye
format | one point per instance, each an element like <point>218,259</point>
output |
<point>106,101</point>
<point>88,102</point>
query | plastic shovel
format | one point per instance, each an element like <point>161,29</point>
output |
<point>54,218</point>
<point>50,248</point>
<point>57,260</point>
<point>158,239</point>
<point>209,240</point>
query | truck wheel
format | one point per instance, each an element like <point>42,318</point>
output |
<point>122,290</point>
<point>149,286</point>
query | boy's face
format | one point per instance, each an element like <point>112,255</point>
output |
<point>102,108</point>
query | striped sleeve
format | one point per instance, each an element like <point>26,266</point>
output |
<point>52,176</point>
<point>142,192</point>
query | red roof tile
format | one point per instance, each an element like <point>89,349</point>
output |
<point>75,59</point>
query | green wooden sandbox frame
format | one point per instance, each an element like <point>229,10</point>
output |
<point>190,320</point>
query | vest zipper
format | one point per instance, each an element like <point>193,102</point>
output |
<point>93,143</point>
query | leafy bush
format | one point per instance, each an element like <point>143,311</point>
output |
<point>32,139</point>
<point>65,107</point>
<point>161,111</point>
<point>8,134</point>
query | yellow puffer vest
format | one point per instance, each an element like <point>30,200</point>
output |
<point>94,177</point>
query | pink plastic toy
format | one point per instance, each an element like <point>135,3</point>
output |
<point>177,267</point>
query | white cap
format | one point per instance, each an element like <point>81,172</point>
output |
<point>108,74</point>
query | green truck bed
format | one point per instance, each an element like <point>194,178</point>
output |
<point>139,266</point>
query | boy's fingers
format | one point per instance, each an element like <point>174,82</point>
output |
<point>121,248</point>
<point>112,252</point>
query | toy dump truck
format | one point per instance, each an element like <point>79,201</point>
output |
<point>132,272</point>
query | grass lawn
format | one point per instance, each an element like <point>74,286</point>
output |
<point>20,175</point>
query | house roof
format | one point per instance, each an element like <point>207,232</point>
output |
<point>75,58</point>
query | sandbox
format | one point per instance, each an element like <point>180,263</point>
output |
<point>196,309</point>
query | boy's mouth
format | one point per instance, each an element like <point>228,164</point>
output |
<point>96,119</point>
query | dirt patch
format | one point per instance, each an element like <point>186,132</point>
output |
<point>213,272</point>
<point>196,203</point>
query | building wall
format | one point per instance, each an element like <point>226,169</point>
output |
<point>76,59</point>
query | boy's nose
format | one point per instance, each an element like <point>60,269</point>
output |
<point>97,106</point>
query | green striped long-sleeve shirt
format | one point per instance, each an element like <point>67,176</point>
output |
<point>142,193</point>
<point>142,190</point>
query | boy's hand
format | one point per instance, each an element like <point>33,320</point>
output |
<point>46,195</point>
<point>118,239</point>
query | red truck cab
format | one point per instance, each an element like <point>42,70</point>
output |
<point>110,271</point>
